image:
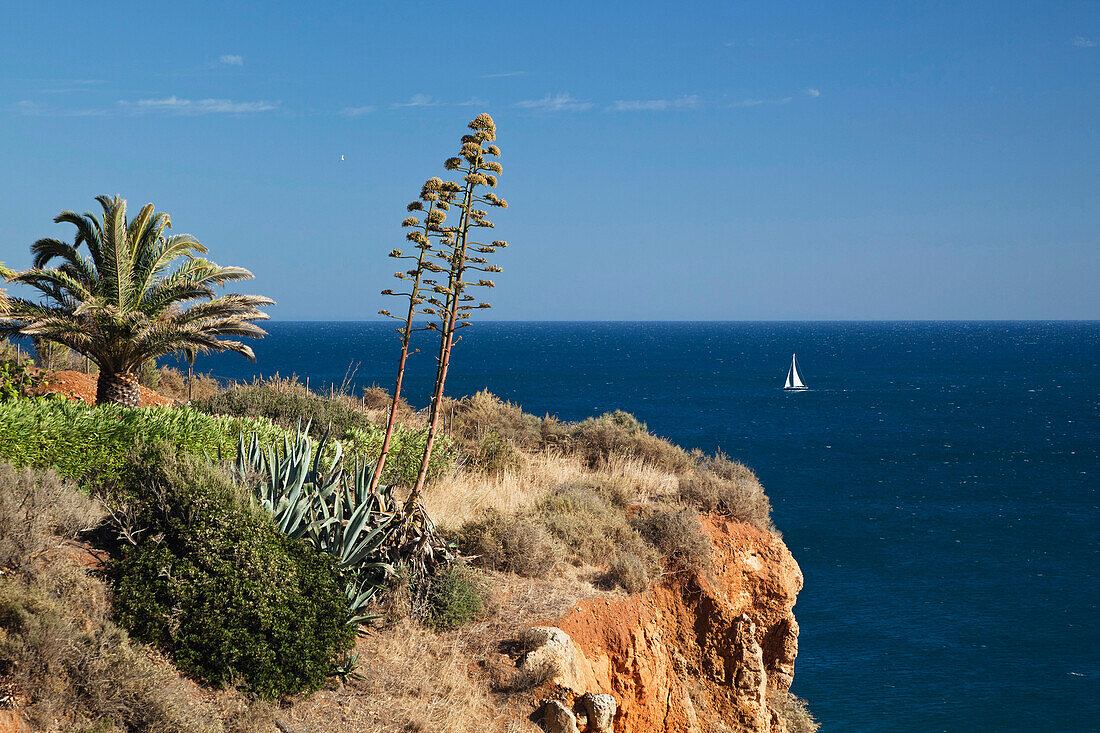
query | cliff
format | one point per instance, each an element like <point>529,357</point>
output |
<point>693,653</point>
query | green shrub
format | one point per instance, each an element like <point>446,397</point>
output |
<point>286,402</point>
<point>721,485</point>
<point>514,544</point>
<point>677,534</point>
<point>406,452</point>
<point>215,584</point>
<point>80,441</point>
<point>454,598</point>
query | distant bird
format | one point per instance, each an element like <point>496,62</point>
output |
<point>341,158</point>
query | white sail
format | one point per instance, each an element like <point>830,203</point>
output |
<point>794,379</point>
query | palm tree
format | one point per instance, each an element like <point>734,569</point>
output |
<point>140,295</point>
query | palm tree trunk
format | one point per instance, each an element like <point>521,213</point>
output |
<point>118,388</point>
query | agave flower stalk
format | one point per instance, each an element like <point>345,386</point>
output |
<point>459,255</point>
<point>421,233</point>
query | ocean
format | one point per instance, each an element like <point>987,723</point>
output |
<point>937,484</point>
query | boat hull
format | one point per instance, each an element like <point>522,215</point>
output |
<point>795,389</point>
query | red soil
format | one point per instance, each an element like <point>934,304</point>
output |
<point>80,386</point>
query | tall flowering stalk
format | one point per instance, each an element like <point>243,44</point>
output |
<point>433,204</point>
<point>458,255</point>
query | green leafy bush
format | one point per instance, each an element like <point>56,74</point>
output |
<point>18,381</point>
<point>80,441</point>
<point>454,598</point>
<point>218,587</point>
<point>406,452</point>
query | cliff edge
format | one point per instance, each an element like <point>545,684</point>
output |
<point>692,653</point>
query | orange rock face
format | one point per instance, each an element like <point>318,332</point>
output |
<point>695,649</point>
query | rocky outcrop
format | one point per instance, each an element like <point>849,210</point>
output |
<point>697,652</point>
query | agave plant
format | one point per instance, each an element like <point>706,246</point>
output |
<point>310,496</point>
<point>140,294</point>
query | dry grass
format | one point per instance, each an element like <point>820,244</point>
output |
<point>793,711</point>
<point>412,680</point>
<point>173,383</point>
<point>678,535</point>
<point>39,511</point>
<point>510,543</point>
<point>455,499</point>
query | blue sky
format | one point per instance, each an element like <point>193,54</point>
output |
<point>722,160</point>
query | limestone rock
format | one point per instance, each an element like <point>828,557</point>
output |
<point>556,718</point>
<point>601,712</point>
<point>750,681</point>
<point>553,656</point>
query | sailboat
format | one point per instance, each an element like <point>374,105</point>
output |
<point>794,380</point>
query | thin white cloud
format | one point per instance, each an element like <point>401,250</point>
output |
<point>688,101</point>
<point>560,102</point>
<point>417,100</point>
<point>176,106</point>
<point>760,102</point>
<point>1082,42</point>
<point>232,59</point>
<point>365,109</point>
<point>503,75</point>
<point>812,93</point>
<point>27,107</point>
<point>473,102</point>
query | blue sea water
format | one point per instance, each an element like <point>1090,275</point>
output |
<point>937,484</point>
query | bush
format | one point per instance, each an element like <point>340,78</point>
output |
<point>406,452</point>
<point>286,401</point>
<point>173,384</point>
<point>628,571</point>
<point>594,530</point>
<point>724,486</point>
<point>678,535</point>
<point>454,598</point>
<point>75,678</point>
<point>513,544</point>
<point>215,584</point>
<point>494,455</point>
<point>619,433</point>
<point>793,711</point>
<point>80,441</point>
<point>472,418</point>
